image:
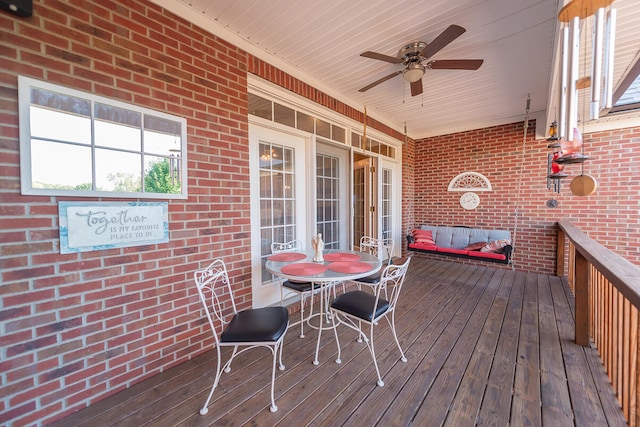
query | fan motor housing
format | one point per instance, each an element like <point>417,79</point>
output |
<point>411,52</point>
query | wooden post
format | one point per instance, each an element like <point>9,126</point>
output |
<point>581,279</point>
<point>560,253</point>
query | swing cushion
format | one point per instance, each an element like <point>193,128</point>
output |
<point>463,242</point>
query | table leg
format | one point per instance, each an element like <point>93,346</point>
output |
<point>325,292</point>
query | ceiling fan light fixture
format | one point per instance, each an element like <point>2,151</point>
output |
<point>413,72</point>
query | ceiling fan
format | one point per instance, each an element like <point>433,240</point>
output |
<point>412,55</point>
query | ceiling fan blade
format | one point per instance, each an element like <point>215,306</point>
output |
<point>455,64</point>
<point>416,87</point>
<point>377,82</point>
<point>446,37</point>
<point>381,57</point>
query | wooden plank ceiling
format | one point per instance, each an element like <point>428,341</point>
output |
<point>321,42</point>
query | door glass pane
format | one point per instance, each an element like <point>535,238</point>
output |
<point>386,204</point>
<point>328,203</point>
<point>277,202</point>
<point>358,204</point>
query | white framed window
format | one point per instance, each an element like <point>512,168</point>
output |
<point>81,144</point>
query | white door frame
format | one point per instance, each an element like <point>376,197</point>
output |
<point>269,293</point>
<point>345,180</point>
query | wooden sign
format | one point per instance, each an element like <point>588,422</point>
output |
<point>93,226</point>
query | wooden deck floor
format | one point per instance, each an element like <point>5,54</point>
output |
<point>485,346</point>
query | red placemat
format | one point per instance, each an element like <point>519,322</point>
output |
<point>287,256</point>
<point>350,267</point>
<point>303,269</point>
<point>341,256</point>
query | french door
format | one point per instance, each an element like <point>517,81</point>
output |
<point>278,202</point>
<point>332,196</point>
<point>376,213</point>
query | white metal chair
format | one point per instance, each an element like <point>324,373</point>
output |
<point>383,249</point>
<point>303,289</point>
<point>242,330</point>
<point>357,309</point>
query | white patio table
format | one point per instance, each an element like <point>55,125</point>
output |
<point>338,266</point>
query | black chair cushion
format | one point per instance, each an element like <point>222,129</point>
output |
<point>298,286</point>
<point>258,324</point>
<point>374,279</point>
<point>360,304</point>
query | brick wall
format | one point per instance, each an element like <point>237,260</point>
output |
<point>78,327</point>
<point>75,328</point>
<point>517,173</point>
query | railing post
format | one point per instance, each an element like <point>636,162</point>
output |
<point>560,253</point>
<point>581,278</point>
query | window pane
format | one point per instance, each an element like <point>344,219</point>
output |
<point>60,166</point>
<point>265,213</point>
<point>278,185</point>
<point>118,171</point>
<point>110,113</point>
<point>265,184</point>
<point>288,163</point>
<point>161,175</point>
<point>323,128</point>
<point>284,115</point>
<point>278,212</point>
<point>276,157</point>
<point>305,122</point>
<point>161,143</point>
<point>259,106</point>
<point>114,135</point>
<point>61,102</point>
<point>52,124</point>
<point>289,185</point>
<point>338,134</point>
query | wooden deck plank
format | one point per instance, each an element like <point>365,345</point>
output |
<point>484,345</point>
<point>424,307</point>
<point>525,407</point>
<point>556,402</point>
<point>337,414</point>
<point>467,402</point>
<point>496,405</point>
<point>584,397</point>
<point>435,411</point>
<point>446,331</point>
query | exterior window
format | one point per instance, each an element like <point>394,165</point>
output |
<point>80,144</point>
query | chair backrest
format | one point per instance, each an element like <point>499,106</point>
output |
<point>216,295</point>
<point>293,245</point>
<point>382,248</point>
<point>391,282</point>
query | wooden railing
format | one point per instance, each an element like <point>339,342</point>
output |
<point>607,295</point>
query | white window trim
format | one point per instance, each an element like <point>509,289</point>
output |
<point>24,89</point>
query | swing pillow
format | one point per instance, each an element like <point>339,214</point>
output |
<point>495,246</point>
<point>477,246</point>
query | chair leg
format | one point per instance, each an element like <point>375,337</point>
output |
<point>373,354</point>
<point>392,323</point>
<point>302,319</point>
<point>334,316</point>
<point>275,350</point>
<point>205,408</point>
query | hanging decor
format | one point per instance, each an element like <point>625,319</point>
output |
<point>567,140</point>
<point>602,41</point>
<point>554,169</point>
